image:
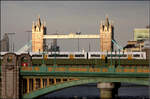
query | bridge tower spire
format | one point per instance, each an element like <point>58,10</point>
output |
<point>38,30</point>
<point>106,36</point>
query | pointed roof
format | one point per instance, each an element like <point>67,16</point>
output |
<point>107,21</point>
<point>39,21</point>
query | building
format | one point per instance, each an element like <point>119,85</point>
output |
<point>146,44</point>
<point>4,43</point>
<point>141,40</point>
<point>106,36</point>
<point>141,33</point>
<point>134,46</point>
<point>146,48</point>
<point>38,30</point>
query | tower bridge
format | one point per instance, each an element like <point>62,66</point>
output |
<point>20,78</point>
<point>39,36</point>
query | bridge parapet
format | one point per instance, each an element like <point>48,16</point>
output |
<point>86,71</point>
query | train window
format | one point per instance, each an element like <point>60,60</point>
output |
<point>79,55</point>
<point>136,55</point>
<point>95,55</point>
<point>113,55</point>
<point>36,55</point>
<point>58,55</point>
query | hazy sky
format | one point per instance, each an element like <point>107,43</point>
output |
<point>73,16</point>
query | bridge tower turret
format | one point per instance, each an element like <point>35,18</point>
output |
<point>38,30</point>
<point>106,36</point>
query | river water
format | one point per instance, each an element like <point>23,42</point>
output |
<point>90,91</point>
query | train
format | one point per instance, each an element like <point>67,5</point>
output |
<point>84,55</point>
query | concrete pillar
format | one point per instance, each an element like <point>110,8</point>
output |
<point>106,90</point>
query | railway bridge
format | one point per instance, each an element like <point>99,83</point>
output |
<point>20,80</point>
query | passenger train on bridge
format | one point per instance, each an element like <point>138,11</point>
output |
<point>85,55</point>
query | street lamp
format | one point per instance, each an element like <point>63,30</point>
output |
<point>119,57</point>
<point>12,43</point>
<point>78,33</point>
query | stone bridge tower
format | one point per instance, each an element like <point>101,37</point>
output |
<point>38,30</point>
<point>106,36</point>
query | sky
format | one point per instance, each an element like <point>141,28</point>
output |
<point>64,17</point>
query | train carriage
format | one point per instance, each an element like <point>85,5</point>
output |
<point>85,55</point>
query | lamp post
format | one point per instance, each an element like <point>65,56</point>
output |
<point>78,33</point>
<point>111,58</point>
<point>119,57</point>
<point>12,43</point>
<point>115,58</point>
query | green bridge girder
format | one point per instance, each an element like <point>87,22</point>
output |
<point>85,77</point>
<point>111,71</point>
<point>84,80</point>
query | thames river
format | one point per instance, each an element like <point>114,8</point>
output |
<point>90,91</point>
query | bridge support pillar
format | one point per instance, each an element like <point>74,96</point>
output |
<point>10,77</point>
<point>106,90</point>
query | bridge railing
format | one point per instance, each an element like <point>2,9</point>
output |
<point>86,69</point>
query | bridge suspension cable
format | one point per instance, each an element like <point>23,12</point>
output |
<point>118,46</point>
<point>26,47</point>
